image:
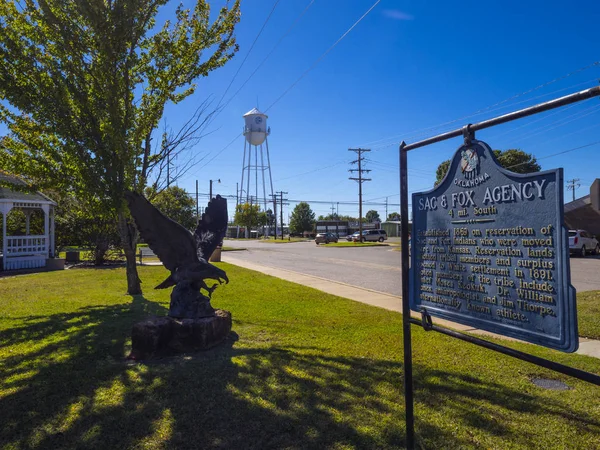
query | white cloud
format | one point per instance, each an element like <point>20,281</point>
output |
<point>397,14</point>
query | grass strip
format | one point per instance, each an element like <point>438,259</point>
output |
<point>588,314</point>
<point>355,244</point>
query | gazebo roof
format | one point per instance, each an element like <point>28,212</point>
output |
<point>7,194</point>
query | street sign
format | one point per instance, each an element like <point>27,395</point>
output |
<point>489,250</point>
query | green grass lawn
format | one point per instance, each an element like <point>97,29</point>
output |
<point>588,314</point>
<point>355,244</point>
<point>284,240</point>
<point>302,369</point>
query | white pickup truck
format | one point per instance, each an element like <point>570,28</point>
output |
<point>581,242</point>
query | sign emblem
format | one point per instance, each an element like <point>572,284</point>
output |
<point>469,163</point>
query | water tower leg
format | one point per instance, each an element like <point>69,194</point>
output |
<point>271,183</point>
<point>243,170</point>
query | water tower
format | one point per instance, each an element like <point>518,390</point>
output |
<point>253,188</point>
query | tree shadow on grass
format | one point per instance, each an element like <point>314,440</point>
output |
<point>71,388</point>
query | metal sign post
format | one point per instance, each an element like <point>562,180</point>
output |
<point>458,297</point>
<point>408,375</point>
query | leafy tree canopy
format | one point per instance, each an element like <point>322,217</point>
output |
<point>84,86</point>
<point>372,216</point>
<point>512,159</point>
<point>250,216</point>
<point>302,219</point>
<point>176,204</point>
<point>395,216</point>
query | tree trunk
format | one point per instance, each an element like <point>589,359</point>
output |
<point>100,249</point>
<point>129,241</point>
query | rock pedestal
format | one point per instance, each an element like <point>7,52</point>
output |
<point>163,336</point>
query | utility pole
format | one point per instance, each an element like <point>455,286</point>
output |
<point>360,179</point>
<point>572,185</point>
<point>386,211</point>
<point>237,202</point>
<point>274,200</point>
<point>210,189</point>
<point>281,199</point>
<point>332,210</point>
<point>197,216</point>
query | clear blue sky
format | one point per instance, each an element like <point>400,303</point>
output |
<point>407,66</point>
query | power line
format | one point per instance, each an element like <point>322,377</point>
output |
<point>318,60</point>
<point>487,109</point>
<point>291,27</point>
<point>360,179</point>
<point>254,72</point>
<point>249,51</point>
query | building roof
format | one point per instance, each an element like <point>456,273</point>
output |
<point>254,112</point>
<point>8,194</point>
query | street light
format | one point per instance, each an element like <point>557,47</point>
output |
<point>210,191</point>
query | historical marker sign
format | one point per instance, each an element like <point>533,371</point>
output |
<point>489,250</point>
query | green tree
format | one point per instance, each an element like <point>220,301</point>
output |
<point>85,225</point>
<point>176,204</point>
<point>302,219</point>
<point>330,216</point>
<point>517,161</point>
<point>372,216</point>
<point>250,216</point>
<point>270,217</point>
<point>84,86</point>
<point>512,159</point>
<point>394,216</point>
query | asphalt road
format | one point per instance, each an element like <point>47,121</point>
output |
<point>376,268</point>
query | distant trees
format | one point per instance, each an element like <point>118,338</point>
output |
<point>332,216</point>
<point>372,216</point>
<point>394,216</point>
<point>86,225</point>
<point>302,219</point>
<point>250,216</point>
<point>512,159</point>
<point>176,204</point>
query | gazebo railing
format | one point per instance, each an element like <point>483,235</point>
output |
<point>26,245</point>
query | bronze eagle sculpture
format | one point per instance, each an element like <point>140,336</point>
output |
<point>185,254</point>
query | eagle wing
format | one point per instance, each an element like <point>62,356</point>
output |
<point>172,243</point>
<point>212,227</point>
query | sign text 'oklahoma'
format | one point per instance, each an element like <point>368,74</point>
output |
<point>489,250</point>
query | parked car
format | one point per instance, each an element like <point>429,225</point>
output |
<point>582,243</point>
<point>325,238</point>
<point>350,237</point>
<point>371,236</point>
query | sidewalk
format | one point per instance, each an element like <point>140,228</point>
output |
<point>587,347</point>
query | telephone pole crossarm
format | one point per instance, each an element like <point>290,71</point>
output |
<point>360,179</point>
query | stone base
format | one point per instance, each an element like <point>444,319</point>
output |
<point>163,336</point>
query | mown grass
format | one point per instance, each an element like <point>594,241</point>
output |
<point>588,314</point>
<point>302,369</point>
<point>355,244</point>
<point>284,240</point>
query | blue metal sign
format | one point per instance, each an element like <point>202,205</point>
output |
<point>489,250</point>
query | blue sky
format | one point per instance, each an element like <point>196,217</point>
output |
<point>407,66</point>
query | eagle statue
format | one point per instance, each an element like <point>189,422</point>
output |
<point>185,254</point>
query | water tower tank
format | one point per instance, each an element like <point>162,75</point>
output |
<point>255,127</point>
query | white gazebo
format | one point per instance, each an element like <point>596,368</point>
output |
<point>25,251</point>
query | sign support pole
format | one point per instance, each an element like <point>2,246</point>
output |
<point>408,372</point>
